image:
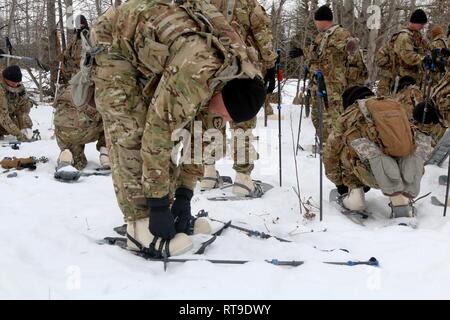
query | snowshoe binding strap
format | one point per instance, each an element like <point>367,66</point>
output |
<point>151,251</point>
<point>257,192</point>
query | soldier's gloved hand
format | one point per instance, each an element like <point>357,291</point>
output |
<point>342,190</point>
<point>427,62</point>
<point>269,80</point>
<point>161,219</point>
<point>445,52</point>
<point>181,210</point>
<point>296,53</point>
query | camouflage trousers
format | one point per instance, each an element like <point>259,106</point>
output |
<point>119,99</point>
<point>121,105</point>
<point>271,98</point>
<point>330,115</point>
<point>75,140</point>
<point>77,126</point>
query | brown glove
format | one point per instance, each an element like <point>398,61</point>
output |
<point>18,163</point>
<point>9,163</point>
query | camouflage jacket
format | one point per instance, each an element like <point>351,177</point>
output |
<point>161,42</point>
<point>409,97</point>
<point>102,31</point>
<point>357,72</point>
<point>141,36</point>
<point>14,106</point>
<point>250,20</point>
<point>410,48</point>
<point>441,96</point>
<point>438,42</point>
<point>339,155</point>
<point>71,59</point>
<point>328,53</point>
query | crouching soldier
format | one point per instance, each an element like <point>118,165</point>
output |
<point>374,145</point>
<point>74,128</point>
<point>14,105</point>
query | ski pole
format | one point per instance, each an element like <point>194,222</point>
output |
<point>279,78</point>
<point>448,189</point>
<point>254,233</point>
<point>306,72</point>
<point>322,100</point>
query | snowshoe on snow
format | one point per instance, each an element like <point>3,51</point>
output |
<point>260,190</point>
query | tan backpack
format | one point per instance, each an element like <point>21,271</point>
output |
<point>392,125</point>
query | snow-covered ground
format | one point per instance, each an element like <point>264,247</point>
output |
<point>48,234</point>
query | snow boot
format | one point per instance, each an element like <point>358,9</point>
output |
<point>104,158</point>
<point>401,207</point>
<point>210,178</point>
<point>140,239</point>
<point>244,186</point>
<point>202,225</point>
<point>65,159</point>
<point>64,168</point>
<point>355,200</point>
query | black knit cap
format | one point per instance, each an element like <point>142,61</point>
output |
<point>324,13</point>
<point>405,82</point>
<point>243,98</point>
<point>419,16</point>
<point>12,73</point>
<point>352,94</point>
<point>432,115</point>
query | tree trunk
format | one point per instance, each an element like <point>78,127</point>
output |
<point>52,45</point>
<point>61,26</point>
<point>70,19</point>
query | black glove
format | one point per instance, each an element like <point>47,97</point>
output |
<point>295,53</point>
<point>427,62</point>
<point>181,210</point>
<point>445,52</point>
<point>269,80</point>
<point>161,223</point>
<point>342,190</point>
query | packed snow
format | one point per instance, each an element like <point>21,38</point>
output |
<point>49,234</point>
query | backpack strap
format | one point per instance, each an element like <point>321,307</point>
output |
<point>365,111</point>
<point>326,36</point>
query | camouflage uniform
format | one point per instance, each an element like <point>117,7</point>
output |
<point>328,53</point>
<point>250,21</point>
<point>104,68</point>
<point>14,110</point>
<point>71,59</point>
<point>438,42</point>
<point>409,97</point>
<point>162,72</point>
<point>410,48</point>
<point>356,73</point>
<point>441,98</point>
<point>343,165</point>
<point>77,126</point>
<point>402,56</point>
